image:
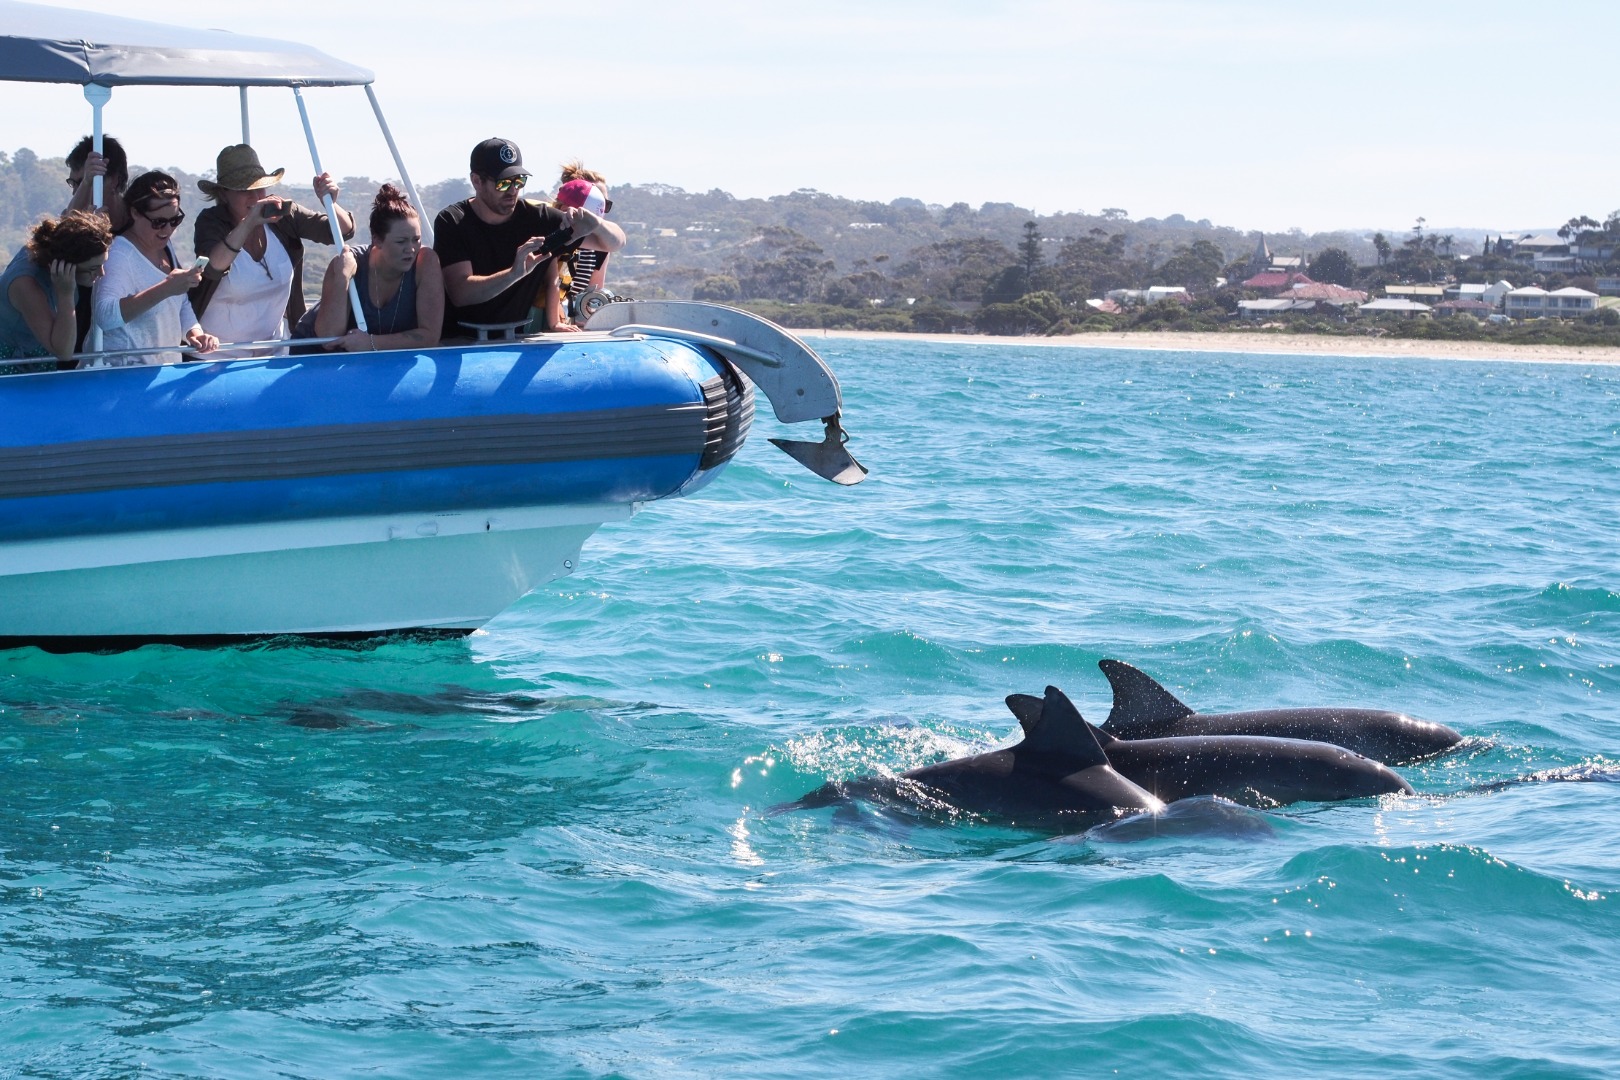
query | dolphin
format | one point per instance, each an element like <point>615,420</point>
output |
<point>1057,776</point>
<point>1143,709</point>
<point>1252,770</point>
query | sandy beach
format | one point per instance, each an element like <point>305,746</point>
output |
<point>1264,342</point>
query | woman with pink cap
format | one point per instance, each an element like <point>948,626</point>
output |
<point>581,270</point>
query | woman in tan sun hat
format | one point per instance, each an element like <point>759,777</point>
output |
<point>253,287</point>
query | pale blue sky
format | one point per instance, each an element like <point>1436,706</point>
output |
<point>1252,113</point>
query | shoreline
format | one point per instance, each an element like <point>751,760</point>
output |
<point>1259,342</point>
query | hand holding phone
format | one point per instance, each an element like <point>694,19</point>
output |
<point>201,263</point>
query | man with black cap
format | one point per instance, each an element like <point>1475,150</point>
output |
<point>490,245</point>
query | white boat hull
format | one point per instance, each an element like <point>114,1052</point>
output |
<point>356,576</point>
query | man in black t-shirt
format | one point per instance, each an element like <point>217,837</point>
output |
<point>490,246</point>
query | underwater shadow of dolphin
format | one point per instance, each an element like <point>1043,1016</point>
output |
<point>1251,770</point>
<point>1057,777</point>
<point>1144,709</point>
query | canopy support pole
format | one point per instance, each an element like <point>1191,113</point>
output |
<point>247,136</point>
<point>399,163</point>
<point>331,210</point>
<point>98,96</point>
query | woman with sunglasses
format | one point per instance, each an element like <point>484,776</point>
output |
<point>140,301</point>
<point>253,287</point>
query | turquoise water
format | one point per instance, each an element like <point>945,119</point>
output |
<point>544,851</point>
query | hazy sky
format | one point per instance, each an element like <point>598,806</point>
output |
<point>1252,113</point>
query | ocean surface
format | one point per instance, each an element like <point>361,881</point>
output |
<point>545,851</point>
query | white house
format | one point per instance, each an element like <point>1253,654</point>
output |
<point>1155,293</point>
<point>1489,294</point>
<point>1394,306</point>
<point>1571,303</point>
<point>1533,303</point>
<point>1526,303</point>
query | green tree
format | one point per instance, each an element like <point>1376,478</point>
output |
<point>1030,256</point>
<point>789,267</point>
<point>1381,245</point>
<point>1194,267</point>
<point>718,289</point>
<point>1333,265</point>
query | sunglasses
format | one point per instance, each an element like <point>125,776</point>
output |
<point>511,183</point>
<point>166,222</point>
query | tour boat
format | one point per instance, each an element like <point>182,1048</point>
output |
<point>350,494</point>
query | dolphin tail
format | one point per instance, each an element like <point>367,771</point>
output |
<point>1139,700</point>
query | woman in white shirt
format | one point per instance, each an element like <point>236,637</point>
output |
<point>140,301</point>
<point>253,288</point>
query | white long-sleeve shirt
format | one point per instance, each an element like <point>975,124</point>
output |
<point>127,273</point>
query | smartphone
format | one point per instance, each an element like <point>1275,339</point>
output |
<point>271,209</point>
<point>201,263</point>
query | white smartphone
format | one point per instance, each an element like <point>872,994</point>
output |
<point>201,263</point>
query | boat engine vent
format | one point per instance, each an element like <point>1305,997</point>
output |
<point>730,402</point>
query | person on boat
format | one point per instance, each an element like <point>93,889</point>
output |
<point>582,270</point>
<point>398,280</point>
<point>261,238</point>
<point>84,165</point>
<point>494,246</point>
<point>140,301</point>
<point>112,165</point>
<point>39,289</point>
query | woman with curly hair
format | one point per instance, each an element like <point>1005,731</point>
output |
<point>38,290</point>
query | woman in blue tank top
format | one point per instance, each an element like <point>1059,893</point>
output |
<point>401,289</point>
<point>39,288</point>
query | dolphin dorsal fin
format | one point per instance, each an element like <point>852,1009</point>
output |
<point>1027,708</point>
<point>1060,729</point>
<point>1138,699</point>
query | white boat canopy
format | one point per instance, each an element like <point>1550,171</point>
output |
<point>99,52</point>
<point>59,45</point>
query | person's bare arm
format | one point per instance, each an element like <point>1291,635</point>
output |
<point>53,329</point>
<point>464,288</point>
<point>593,231</point>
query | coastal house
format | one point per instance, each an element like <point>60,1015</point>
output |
<point>1573,302</point>
<point>1477,308</point>
<point>1156,293</point>
<point>1526,303</point>
<point>1395,306</point>
<point>1263,261</point>
<point>1276,282</point>
<point>1423,294</point>
<point>1595,248</point>
<point>1608,286</point>
<point>1327,293</point>
<point>1490,294</point>
<point>1256,310</point>
<point>1533,303</point>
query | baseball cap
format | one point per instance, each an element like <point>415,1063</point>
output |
<point>582,193</point>
<point>498,159</point>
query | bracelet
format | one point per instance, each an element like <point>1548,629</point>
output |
<point>373,338</point>
<point>233,250</point>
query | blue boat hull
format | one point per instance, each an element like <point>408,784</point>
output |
<point>121,489</point>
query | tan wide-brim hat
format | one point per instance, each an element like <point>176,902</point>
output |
<point>237,169</point>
